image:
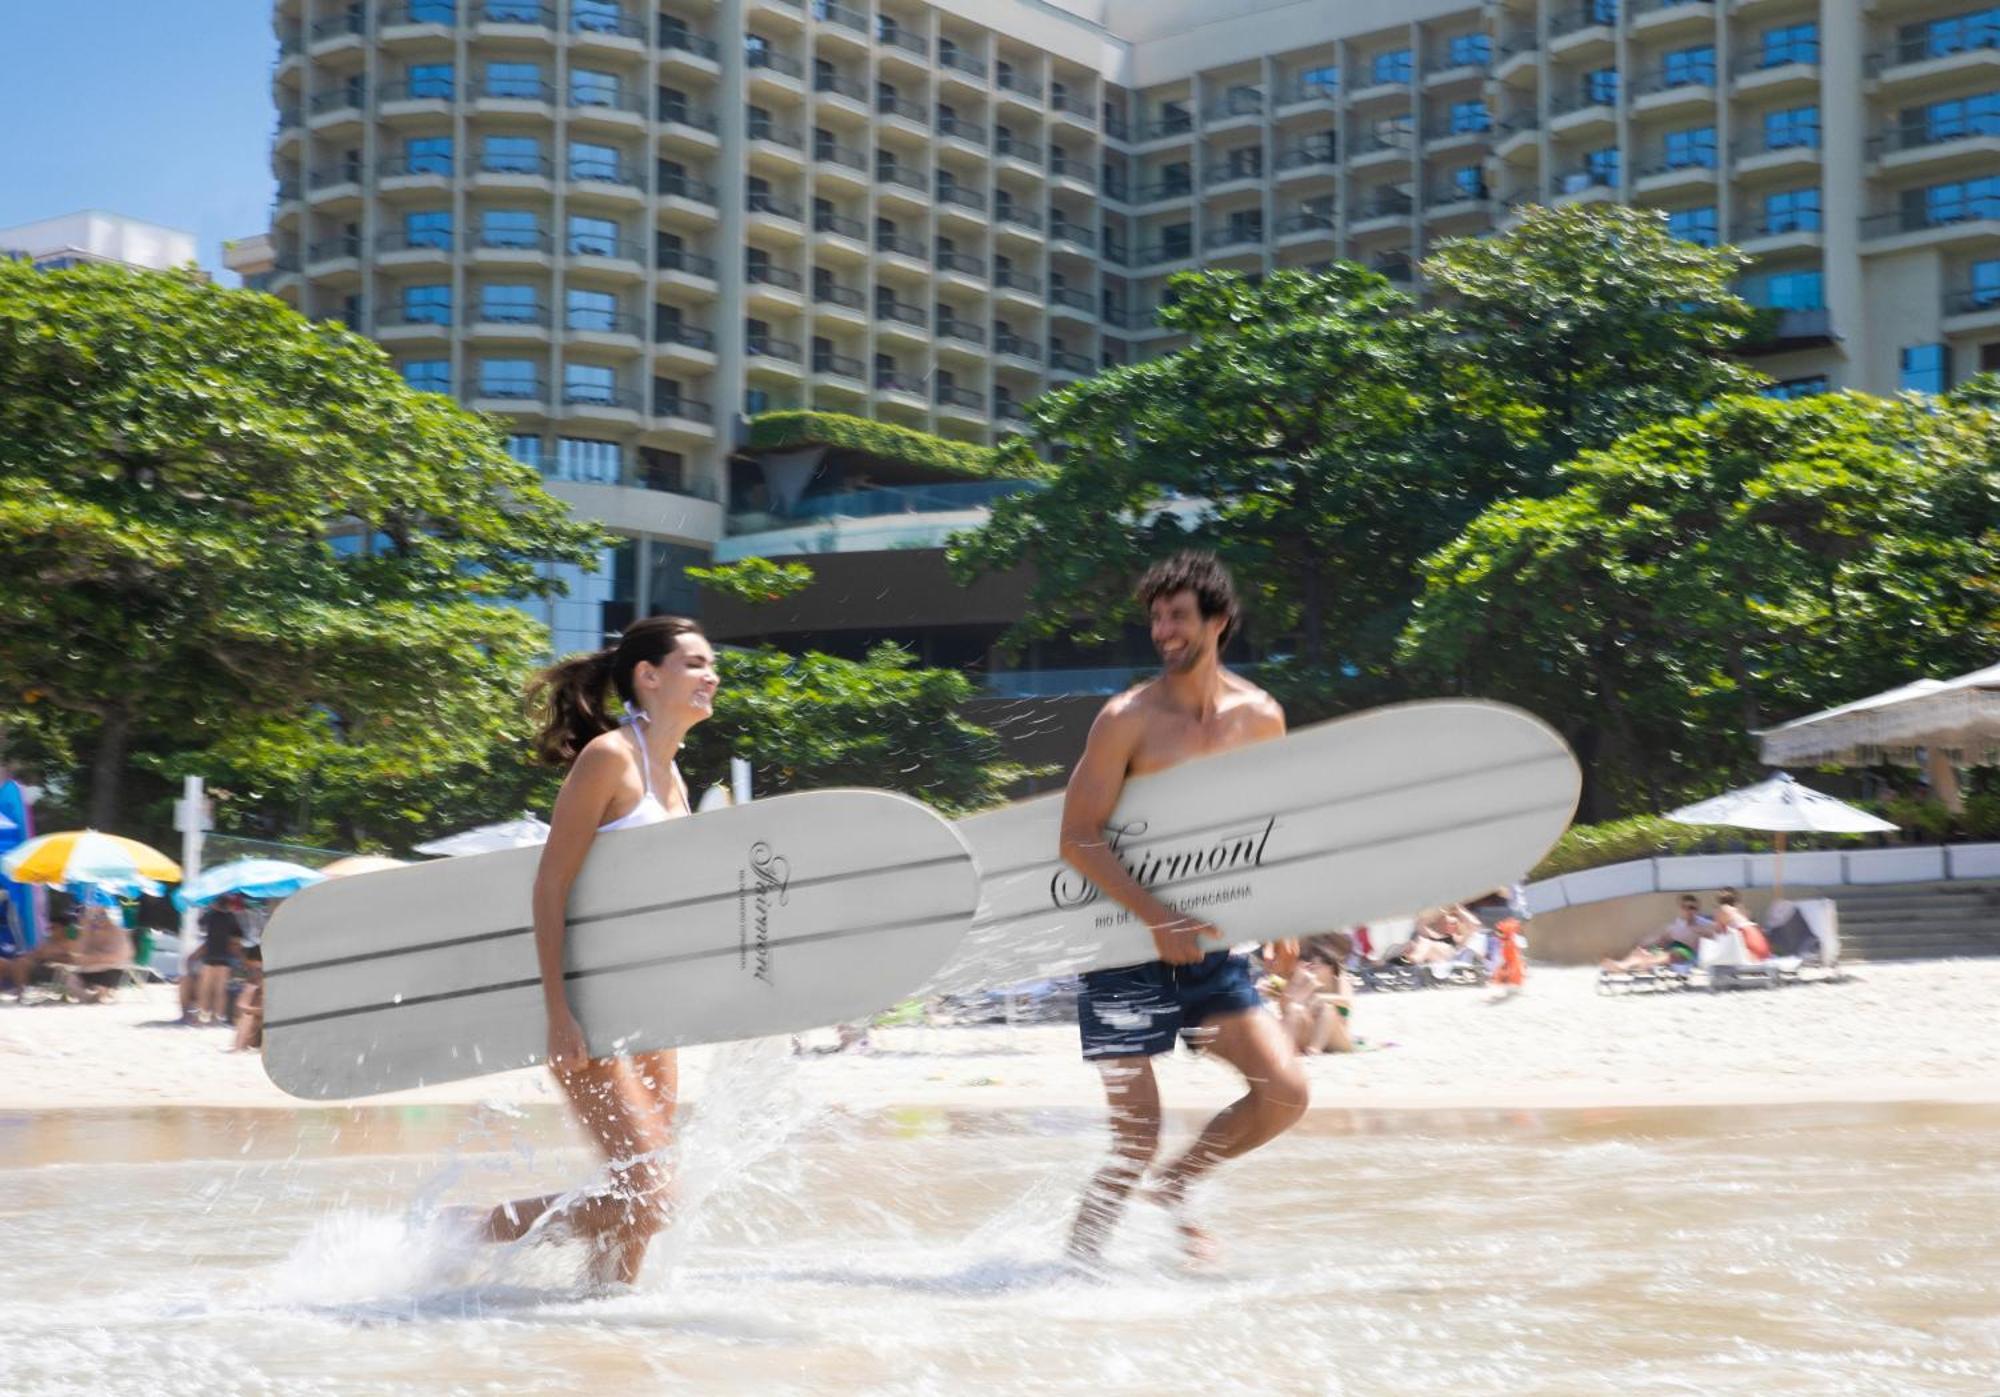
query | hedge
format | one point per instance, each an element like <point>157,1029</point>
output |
<point>785,431</point>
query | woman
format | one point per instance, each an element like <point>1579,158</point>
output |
<point>622,775</point>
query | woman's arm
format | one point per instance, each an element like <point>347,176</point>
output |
<point>586,794</point>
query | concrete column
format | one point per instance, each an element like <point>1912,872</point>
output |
<point>731,184</point>
<point>1843,117</point>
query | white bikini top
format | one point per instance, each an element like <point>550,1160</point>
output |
<point>648,811</point>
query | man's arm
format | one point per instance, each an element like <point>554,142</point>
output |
<point>1092,796</point>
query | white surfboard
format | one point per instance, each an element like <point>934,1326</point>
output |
<point>1344,822</point>
<point>767,918</point>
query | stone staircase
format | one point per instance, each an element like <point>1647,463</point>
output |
<point>1918,921</point>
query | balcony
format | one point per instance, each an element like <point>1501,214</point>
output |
<point>1013,150</point>
<point>685,344</point>
<point>510,324</point>
<point>1076,175</point>
<point>515,96</point>
<point>1065,364</point>
<point>1162,192</point>
<point>1791,155</point>
<point>1452,203</point>
<point>1017,286</point>
<point>896,184</point>
<point>606,109</point>
<point>1937,145</point>
<point>841,93</point>
<point>689,270</point>
<point>1074,109</point>
<point>1017,89</point>
<point>600,403</point>
<point>1080,236</point>
<point>602,328</point>
<point>337,32</point>
<point>510,395</point>
<point>1965,223</point>
<point>1659,18</point>
<point>606,27</point>
<point>1170,126</point>
<point>401,324</point>
<point>877,517</point>
<point>900,115</point>
<point>962,335</point>
<point>1017,222</point>
<point>1689,85</point>
<point>782,353</point>
<point>1587,185</point>
<point>683,51</point>
<point>960,402</point>
<point>898,47</point>
<point>429,97</point>
<point>1381,147</point>
<point>1467,130</point>
<point>684,125</point>
<point>840,23</point>
<point>605,179</point>
<point>844,302</point>
<point>837,230</point>
<point>901,320</point>
<point>828,364</point>
<point>688,416</point>
<point>1583,31</point>
<point>1925,61</point>
<point>515,16</point>
<point>1449,68</point>
<point>966,204</point>
<point>620,256</point>
<point>961,268</point>
<point>1518,51</point>
<point>1026,352</point>
<point>771,69</point>
<point>1971,308</point>
<point>1777,68</point>
<point>687,196</point>
<point>774,286</point>
<point>1582,113</point>
<point>1380,215</point>
<point>1242,107</point>
<point>1793,232</point>
<point>957,130</point>
<point>1669,173</point>
<point>1232,237</point>
<point>336,106</point>
<point>1783,330</point>
<point>1319,155</point>
<point>524,246</point>
<point>1239,172</point>
<point>395,248</point>
<point>956,65</point>
<point>838,164</point>
<point>901,390</point>
<point>1305,226</point>
<point>899,245</point>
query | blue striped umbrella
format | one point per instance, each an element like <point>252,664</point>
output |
<point>251,878</point>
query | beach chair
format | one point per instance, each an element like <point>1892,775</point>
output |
<point>70,980</point>
<point>1678,975</point>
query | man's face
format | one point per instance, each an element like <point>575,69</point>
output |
<point>1690,910</point>
<point>1181,634</point>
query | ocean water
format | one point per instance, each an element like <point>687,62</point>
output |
<point>1848,1250</point>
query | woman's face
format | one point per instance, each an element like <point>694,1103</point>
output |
<point>681,687</point>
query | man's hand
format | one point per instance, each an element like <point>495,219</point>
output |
<point>1179,940</point>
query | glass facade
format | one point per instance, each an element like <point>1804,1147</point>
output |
<point>1924,368</point>
<point>1792,211</point>
<point>428,375</point>
<point>1700,226</point>
<point>1692,148</point>
<point>1791,128</point>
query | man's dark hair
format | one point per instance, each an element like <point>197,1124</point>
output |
<point>1196,571</point>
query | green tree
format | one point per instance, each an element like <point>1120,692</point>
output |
<point>754,580</point>
<point>230,535</point>
<point>1324,435</point>
<point>1587,323</point>
<point>1720,573</point>
<point>812,721</point>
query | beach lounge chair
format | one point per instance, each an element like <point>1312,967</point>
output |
<point>74,982</point>
<point>1805,937</point>
<point>1677,975</point>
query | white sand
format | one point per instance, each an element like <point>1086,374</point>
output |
<point>1925,1031</point>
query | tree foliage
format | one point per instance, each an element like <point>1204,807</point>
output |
<point>1324,435</point>
<point>809,722</point>
<point>757,581</point>
<point>1719,573</point>
<point>231,536</point>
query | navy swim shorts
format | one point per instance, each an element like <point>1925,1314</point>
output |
<point>1138,1010</point>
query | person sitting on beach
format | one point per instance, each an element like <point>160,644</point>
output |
<point>1676,943</point>
<point>58,947</point>
<point>1443,933</point>
<point>103,952</point>
<point>1307,988</point>
<point>1731,918</point>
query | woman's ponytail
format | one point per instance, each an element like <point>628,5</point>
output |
<point>572,702</point>
<point>571,699</point>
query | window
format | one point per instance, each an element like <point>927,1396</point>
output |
<point>428,375</point>
<point>1684,67</point>
<point>1958,34</point>
<point>1792,128</point>
<point>1800,290</point>
<point>509,303</point>
<point>1177,240</point>
<point>431,80</point>
<point>511,11</point>
<point>433,11</point>
<point>509,228</point>
<point>1787,389</point>
<point>511,155</point>
<point>588,88</point>
<point>756,400</point>
<point>515,80</point>
<point>592,237</point>
<point>589,310</point>
<point>508,378</point>
<point>1393,66</point>
<point>590,383</point>
<point>1468,50</point>
<point>1962,116</point>
<point>588,160</point>
<point>1470,116</point>
<point>1693,148</point>
<point>1985,279</point>
<point>1600,87</point>
<point>1926,368</point>
<point>1470,181</point>
<point>1601,167</point>
<point>527,450</point>
<point>1957,202</point>
<point>427,305</point>
<point>672,591</point>
<point>427,228</point>
<point>427,155</point>
<point>596,16</point>
<point>1696,226</point>
<point>1791,43</point>
<point>580,458</point>
<point>1792,211</point>
<point>1325,77</point>
<point>1601,11</point>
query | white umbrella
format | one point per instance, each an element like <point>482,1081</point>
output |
<point>508,834</point>
<point>1780,806</point>
<point>1953,721</point>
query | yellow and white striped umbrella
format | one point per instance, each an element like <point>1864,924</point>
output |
<point>88,856</point>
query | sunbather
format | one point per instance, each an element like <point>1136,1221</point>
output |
<point>1730,917</point>
<point>1677,943</point>
<point>103,952</point>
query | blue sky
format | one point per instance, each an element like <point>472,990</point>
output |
<point>159,109</point>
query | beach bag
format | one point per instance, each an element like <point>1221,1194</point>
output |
<point>1754,942</point>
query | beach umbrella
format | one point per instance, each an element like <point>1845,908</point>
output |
<point>1780,806</point>
<point>1950,722</point>
<point>249,877</point>
<point>355,864</point>
<point>92,857</point>
<point>508,834</point>
<point>7,824</point>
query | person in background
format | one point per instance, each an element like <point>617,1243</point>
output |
<point>103,952</point>
<point>221,934</point>
<point>1676,943</point>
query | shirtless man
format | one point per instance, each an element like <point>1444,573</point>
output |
<point>1129,1015</point>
